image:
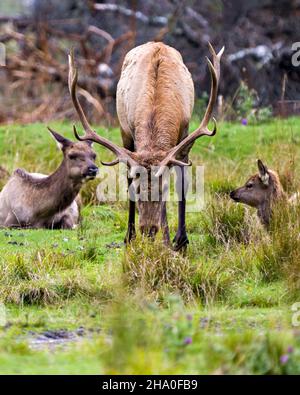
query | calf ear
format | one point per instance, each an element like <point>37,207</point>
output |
<point>263,172</point>
<point>61,141</point>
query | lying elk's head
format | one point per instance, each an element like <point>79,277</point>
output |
<point>260,189</point>
<point>140,162</point>
<point>79,158</point>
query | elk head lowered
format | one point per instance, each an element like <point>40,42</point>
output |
<point>154,120</point>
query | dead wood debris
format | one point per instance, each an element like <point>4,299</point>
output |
<point>33,82</point>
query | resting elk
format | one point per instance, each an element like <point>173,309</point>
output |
<point>155,99</point>
<point>38,201</point>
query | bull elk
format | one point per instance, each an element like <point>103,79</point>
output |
<point>155,99</point>
<point>39,201</point>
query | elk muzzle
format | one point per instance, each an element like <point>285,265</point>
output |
<point>149,218</point>
<point>234,195</point>
<point>149,231</point>
<point>92,171</point>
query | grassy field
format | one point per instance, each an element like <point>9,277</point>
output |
<point>224,307</point>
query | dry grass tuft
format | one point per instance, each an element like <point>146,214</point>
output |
<point>159,270</point>
<point>227,223</point>
<point>280,254</point>
<point>46,278</point>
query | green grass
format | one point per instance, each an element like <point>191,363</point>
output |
<point>224,307</point>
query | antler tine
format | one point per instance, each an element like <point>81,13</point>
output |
<point>202,130</point>
<point>112,163</point>
<point>73,76</point>
<point>212,98</point>
<point>216,58</point>
<point>122,154</point>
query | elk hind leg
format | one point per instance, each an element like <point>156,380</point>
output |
<point>164,224</point>
<point>181,240</point>
<point>131,219</point>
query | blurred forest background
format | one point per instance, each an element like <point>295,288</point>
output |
<point>258,78</point>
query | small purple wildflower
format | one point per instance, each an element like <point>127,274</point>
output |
<point>244,121</point>
<point>188,340</point>
<point>290,349</point>
<point>189,317</point>
<point>284,358</point>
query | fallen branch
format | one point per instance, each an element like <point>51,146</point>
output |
<point>156,20</point>
<point>98,106</point>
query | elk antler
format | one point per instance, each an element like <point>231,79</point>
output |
<point>202,130</point>
<point>123,155</point>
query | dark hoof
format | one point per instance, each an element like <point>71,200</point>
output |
<point>180,242</point>
<point>167,242</point>
<point>130,235</point>
<point>64,223</point>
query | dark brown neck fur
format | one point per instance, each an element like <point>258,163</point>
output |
<point>277,194</point>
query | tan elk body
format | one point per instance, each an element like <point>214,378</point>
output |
<point>39,201</point>
<point>155,99</point>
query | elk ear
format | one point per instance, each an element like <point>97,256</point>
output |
<point>263,172</point>
<point>61,141</point>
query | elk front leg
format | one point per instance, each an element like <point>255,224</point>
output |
<point>12,221</point>
<point>181,240</point>
<point>65,222</point>
<point>131,218</point>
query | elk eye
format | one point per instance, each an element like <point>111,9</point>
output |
<point>94,156</point>
<point>249,186</point>
<point>72,157</point>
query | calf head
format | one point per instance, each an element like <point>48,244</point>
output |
<point>260,191</point>
<point>257,190</point>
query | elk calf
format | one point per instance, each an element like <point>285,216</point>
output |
<point>39,201</point>
<point>261,191</point>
